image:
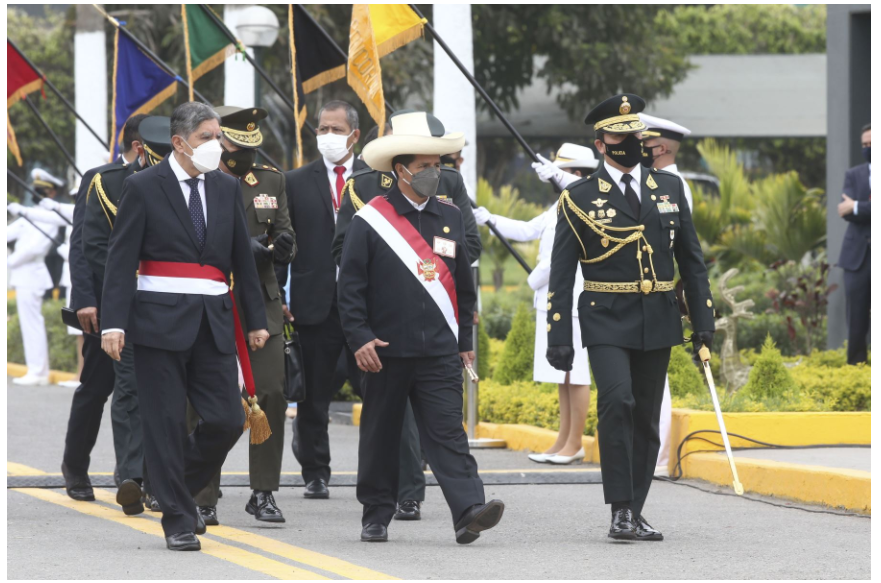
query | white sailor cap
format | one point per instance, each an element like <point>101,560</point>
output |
<point>658,127</point>
<point>575,156</point>
<point>41,178</point>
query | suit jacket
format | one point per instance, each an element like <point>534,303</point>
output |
<point>153,223</point>
<point>313,270</point>
<point>859,232</point>
<point>629,320</point>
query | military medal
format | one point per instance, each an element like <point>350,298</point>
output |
<point>445,247</point>
<point>427,268</point>
<point>604,241</point>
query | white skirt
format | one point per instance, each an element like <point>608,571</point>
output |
<point>542,371</point>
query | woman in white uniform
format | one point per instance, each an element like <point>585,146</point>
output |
<point>571,163</point>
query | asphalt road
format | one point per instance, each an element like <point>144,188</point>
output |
<point>548,531</point>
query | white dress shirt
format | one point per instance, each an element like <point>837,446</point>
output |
<point>415,205</point>
<point>331,176</point>
<point>182,177</point>
<point>616,176</point>
<point>674,170</point>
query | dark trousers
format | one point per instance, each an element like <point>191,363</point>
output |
<point>181,464</point>
<point>128,440</point>
<point>630,388</point>
<point>411,481</point>
<point>858,290</point>
<point>434,386</point>
<point>87,406</point>
<point>264,460</point>
<point>321,345</point>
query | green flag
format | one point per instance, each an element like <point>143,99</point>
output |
<point>207,45</point>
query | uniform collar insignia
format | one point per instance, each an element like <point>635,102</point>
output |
<point>385,181</point>
<point>250,179</point>
<point>604,186</point>
<point>650,182</point>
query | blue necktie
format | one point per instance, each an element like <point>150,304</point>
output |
<point>196,214</point>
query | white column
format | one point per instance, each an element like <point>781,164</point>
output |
<point>453,94</point>
<point>90,87</point>
<point>238,74</point>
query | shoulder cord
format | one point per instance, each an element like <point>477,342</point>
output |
<point>103,201</point>
<point>350,187</point>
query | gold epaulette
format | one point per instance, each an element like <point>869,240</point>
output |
<point>356,202</point>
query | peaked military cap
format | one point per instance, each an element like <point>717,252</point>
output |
<point>42,179</point>
<point>156,131</point>
<point>617,114</point>
<point>240,125</point>
<point>658,127</point>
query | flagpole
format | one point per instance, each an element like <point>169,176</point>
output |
<point>58,93</point>
<point>58,143</point>
<point>254,64</point>
<point>168,69</point>
<point>33,192</point>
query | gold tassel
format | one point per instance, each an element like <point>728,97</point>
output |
<point>247,416</point>
<point>260,430</point>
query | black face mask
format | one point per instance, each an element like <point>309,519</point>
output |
<point>628,153</point>
<point>867,154</point>
<point>240,161</point>
<point>648,156</point>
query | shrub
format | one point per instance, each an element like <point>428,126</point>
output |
<point>685,378</point>
<point>483,352</point>
<point>769,376</point>
<point>516,362</point>
<point>529,403</point>
<point>496,347</point>
<point>846,388</point>
<point>498,308</point>
<point>62,347</point>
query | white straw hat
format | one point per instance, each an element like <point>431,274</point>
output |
<point>414,132</point>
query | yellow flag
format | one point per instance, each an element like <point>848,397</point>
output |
<point>11,142</point>
<point>364,73</point>
<point>394,25</point>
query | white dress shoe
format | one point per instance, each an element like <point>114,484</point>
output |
<point>662,472</point>
<point>567,459</point>
<point>31,381</point>
<point>69,384</point>
<point>541,458</point>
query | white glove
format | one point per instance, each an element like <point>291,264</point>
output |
<point>482,216</point>
<point>49,204</point>
<point>14,209</point>
<point>546,170</point>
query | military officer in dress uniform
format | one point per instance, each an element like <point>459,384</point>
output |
<point>272,241</point>
<point>148,137</point>
<point>626,224</point>
<point>660,144</point>
<point>406,300</point>
<point>361,188</point>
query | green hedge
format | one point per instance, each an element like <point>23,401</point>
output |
<point>516,363</point>
<point>527,402</point>
<point>62,346</point>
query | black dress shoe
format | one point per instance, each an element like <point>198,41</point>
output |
<point>152,503</point>
<point>409,510</point>
<point>262,507</point>
<point>316,489</point>
<point>209,515</point>
<point>129,497</point>
<point>183,541</point>
<point>478,518</point>
<point>77,487</point>
<point>623,526</point>
<point>374,533</point>
<point>200,524</point>
<point>644,530</point>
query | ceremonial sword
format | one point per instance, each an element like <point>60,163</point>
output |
<point>704,354</point>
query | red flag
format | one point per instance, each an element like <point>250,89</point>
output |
<point>21,78</point>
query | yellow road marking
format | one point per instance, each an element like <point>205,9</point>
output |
<point>228,553</point>
<point>282,549</point>
<point>14,469</point>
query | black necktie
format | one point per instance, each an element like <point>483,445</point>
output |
<point>196,213</point>
<point>630,195</point>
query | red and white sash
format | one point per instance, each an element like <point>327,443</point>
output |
<point>419,259</point>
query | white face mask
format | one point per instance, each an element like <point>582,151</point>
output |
<point>206,157</point>
<point>333,146</point>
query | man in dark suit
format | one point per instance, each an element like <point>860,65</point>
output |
<point>315,193</point>
<point>856,251</point>
<point>181,226</point>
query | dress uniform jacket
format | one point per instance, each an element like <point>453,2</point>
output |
<point>366,184</point>
<point>593,221</point>
<point>103,197</point>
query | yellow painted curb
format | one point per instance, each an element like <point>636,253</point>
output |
<point>55,376</point>
<point>356,413</point>
<point>529,438</point>
<point>850,489</point>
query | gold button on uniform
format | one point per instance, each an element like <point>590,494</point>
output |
<point>446,229</point>
<point>549,327</point>
<point>557,317</point>
<point>709,303</point>
<point>672,223</point>
<point>549,305</point>
<point>654,198</point>
<point>593,303</point>
<point>646,270</point>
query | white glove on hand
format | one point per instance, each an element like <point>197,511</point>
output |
<point>49,204</point>
<point>482,216</point>
<point>546,170</point>
<point>14,209</point>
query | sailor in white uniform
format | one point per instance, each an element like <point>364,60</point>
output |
<point>30,278</point>
<point>571,163</point>
<point>661,141</point>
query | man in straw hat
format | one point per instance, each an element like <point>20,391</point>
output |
<point>406,300</point>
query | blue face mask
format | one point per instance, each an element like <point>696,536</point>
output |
<point>867,154</point>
